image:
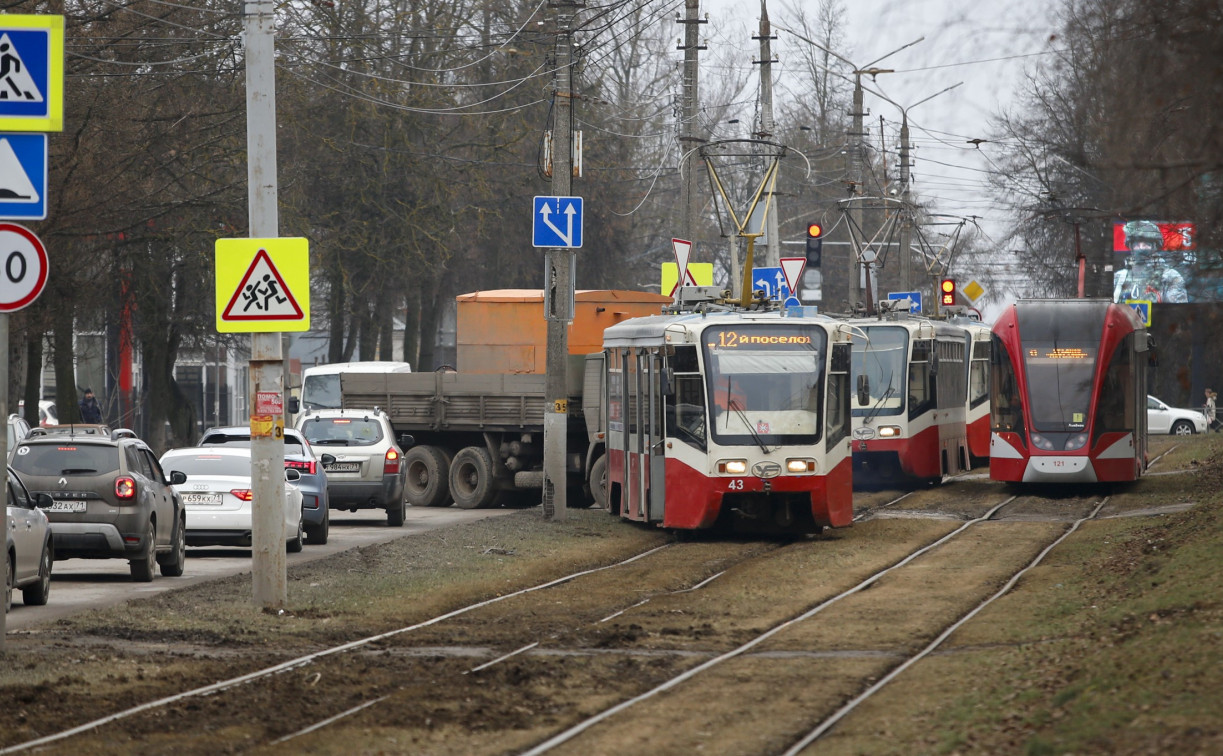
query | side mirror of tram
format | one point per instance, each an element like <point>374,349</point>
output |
<point>864,390</point>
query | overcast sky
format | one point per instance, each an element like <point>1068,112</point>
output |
<point>984,43</point>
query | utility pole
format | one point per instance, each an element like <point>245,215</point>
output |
<point>690,110</point>
<point>772,256</point>
<point>906,217</point>
<point>559,277</point>
<point>855,172</point>
<point>268,565</point>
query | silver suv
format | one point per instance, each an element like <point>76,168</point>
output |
<point>368,471</point>
<point>109,499</point>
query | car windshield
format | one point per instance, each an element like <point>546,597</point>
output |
<point>209,464</point>
<point>342,431</point>
<point>293,445</point>
<point>65,459</point>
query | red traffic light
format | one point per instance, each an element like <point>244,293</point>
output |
<point>947,291</point>
<point>814,230</point>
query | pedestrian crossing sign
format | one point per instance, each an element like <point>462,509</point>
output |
<point>262,285</point>
<point>31,73</point>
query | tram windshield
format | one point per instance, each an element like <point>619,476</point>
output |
<point>882,360</point>
<point>1059,355</point>
<point>765,383</point>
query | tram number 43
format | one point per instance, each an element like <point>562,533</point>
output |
<point>736,484</point>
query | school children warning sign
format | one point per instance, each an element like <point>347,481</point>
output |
<point>263,285</point>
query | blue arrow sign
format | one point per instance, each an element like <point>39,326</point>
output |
<point>914,296</point>
<point>23,176</point>
<point>557,222</point>
<point>772,281</point>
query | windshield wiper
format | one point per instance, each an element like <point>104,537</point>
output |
<point>330,442</point>
<point>875,410</point>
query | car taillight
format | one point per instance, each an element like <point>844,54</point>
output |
<point>242,493</point>
<point>125,488</point>
<point>294,464</point>
<point>392,463</point>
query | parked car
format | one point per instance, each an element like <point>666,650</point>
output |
<point>300,456</point>
<point>46,412</point>
<point>18,429</point>
<point>218,496</point>
<point>109,499</point>
<point>368,471</point>
<point>29,548</point>
<point>73,429</point>
<point>1179,422</point>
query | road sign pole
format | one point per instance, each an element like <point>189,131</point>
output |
<point>4,450</point>
<point>268,561</point>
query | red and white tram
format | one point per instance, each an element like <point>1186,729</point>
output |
<point>729,419</point>
<point>1068,393</point>
<point>911,398</point>
<point>976,418</point>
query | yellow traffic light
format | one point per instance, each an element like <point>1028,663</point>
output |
<point>947,286</point>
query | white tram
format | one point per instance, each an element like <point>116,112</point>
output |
<point>729,419</point>
<point>909,407</point>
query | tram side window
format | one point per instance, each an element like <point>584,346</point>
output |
<point>631,390</point>
<point>615,390</point>
<point>686,404</point>
<point>837,415</point>
<point>919,379</point>
<point>978,382</point>
<point>1118,387</point>
<point>1005,410</point>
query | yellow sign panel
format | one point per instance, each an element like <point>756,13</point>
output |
<point>32,78</point>
<point>699,274</point>
<point>973,291</point>
<point>263,285</point>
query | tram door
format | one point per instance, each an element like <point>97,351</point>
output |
<point>656,485</point>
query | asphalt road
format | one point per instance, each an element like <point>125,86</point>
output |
<point>81,584</point>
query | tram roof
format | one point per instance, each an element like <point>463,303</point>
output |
<point>652,329</point>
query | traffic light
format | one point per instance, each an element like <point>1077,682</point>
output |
<point>815,244</point>
<point>947,291</point>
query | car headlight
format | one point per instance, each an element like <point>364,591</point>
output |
<point>888,431</point>
<point>1040,442</point>
<point>1077,441</point>
<point>799,466</point>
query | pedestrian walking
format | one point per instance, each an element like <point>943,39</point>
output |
<point>1212,420</point>
<point>90,411</point>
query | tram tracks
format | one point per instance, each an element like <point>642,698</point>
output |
<point>683,650</point>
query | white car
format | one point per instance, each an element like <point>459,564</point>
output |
<point>1179,422</point>
<point>29,555</point>
<point>217,496</point>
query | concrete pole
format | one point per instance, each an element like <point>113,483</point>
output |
<point>690,111</point>
<point>906,217</point>
<point>772,252</point>
<point>4,364</point>
<point>268,565</point>
<point>856,175</point>
<point>559,279</point>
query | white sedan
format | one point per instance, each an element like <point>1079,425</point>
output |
<point>29,554</point>
<point>217,496</point>
<point>1179,422</point>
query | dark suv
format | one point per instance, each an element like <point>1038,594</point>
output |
<point>109,499</point>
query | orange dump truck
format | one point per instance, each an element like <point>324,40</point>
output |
<point>479,430</point>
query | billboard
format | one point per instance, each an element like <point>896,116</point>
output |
<point>1159,262</point>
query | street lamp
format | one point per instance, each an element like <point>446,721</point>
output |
<point>905,225</point>
<point>856,152</point>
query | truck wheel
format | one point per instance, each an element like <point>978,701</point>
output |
<point>427,484</point>
<point>471,478</point>
<point>598,481</point>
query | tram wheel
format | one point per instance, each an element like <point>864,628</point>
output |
<point>471,478</point>
<point>428,479</point>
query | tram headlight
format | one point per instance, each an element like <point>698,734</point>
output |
<point>1077,441</point>
<point>732,466</point>
<point>1040,442</point>
<point>800,466</point>
<point>888,431</point>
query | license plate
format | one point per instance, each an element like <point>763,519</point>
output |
<point>66,505</point>
<point>202,498</point>
<point>343,467</point>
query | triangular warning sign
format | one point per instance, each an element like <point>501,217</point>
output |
<point>792,269</point>
<point>16,82</point>
<point>15,185</point>
<point>262,294</point>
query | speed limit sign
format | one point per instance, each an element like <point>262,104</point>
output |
<point>23,267</point>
